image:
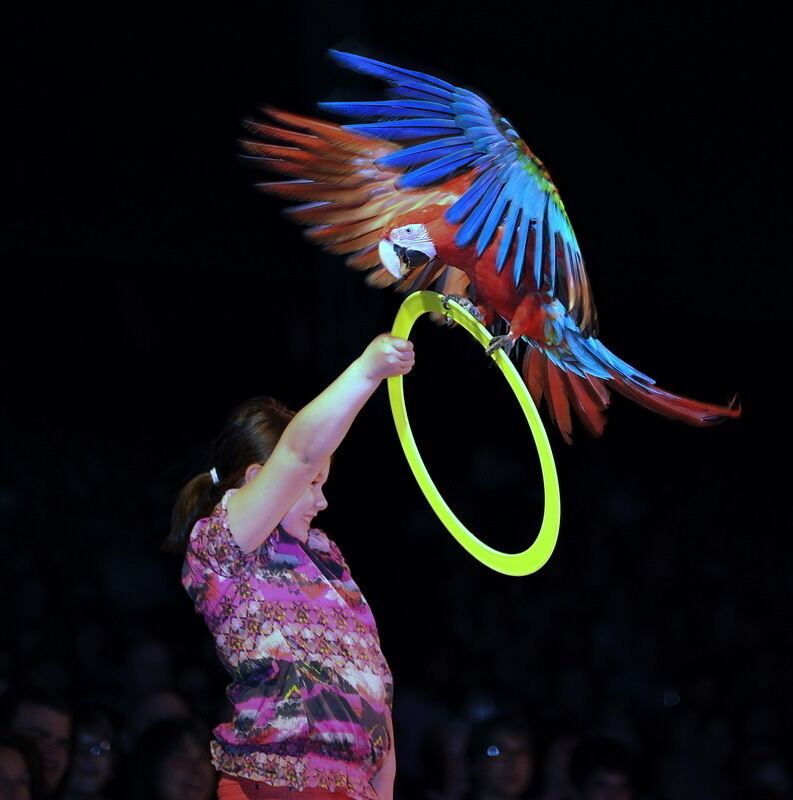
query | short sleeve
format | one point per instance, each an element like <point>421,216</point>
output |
<point>212,544</point>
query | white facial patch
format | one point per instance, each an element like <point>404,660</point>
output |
<point>414,237</point>
<point>405,238</point>
<point>389,259</point>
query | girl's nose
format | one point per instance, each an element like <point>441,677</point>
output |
<point>321,500</point>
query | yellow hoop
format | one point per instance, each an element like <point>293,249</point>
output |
<point>536,555</point>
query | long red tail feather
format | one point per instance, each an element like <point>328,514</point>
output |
<point>589,397</point>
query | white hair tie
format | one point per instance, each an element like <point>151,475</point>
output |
<point>213,473</point>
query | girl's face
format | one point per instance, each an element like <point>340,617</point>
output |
<point>298,519</point>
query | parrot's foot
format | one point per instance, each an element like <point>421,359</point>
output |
<point>464,303</point>
<point>505,343</point>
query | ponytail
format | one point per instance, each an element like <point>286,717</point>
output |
<point>196,500</point>
<point>249,437</point>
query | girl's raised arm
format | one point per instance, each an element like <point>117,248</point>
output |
<point>311,437</point>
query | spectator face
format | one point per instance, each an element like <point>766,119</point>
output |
<point>187,774</point>
<point>14,775</point>
<point>50,731</point>
<point>154,708</point>
<point>605,785</point>
<point>557,764</point>
<point>92,761</point>
<point>507,766</point>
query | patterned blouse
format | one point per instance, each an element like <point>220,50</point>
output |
<point>310,686</point>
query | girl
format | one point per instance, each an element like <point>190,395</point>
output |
<point>310,688</point>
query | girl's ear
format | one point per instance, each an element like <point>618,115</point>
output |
<point>251,472</point>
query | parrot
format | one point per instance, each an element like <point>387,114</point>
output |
<point>433,187</point>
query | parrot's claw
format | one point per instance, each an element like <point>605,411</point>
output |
<point>505,343</point>
<point>464,303</point>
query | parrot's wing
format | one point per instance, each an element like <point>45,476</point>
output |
<point>346,198</point>
<point>451,131</point>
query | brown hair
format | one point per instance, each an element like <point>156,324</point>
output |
<point>248,437</point>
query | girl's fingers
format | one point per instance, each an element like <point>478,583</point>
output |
<point>403,354</point>
<point>403,345</point>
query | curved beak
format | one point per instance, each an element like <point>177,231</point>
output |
<point>401,260</point>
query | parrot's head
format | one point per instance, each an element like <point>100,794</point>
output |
<point>405,247</point>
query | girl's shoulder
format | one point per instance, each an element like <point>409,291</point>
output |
<point>212,543</point>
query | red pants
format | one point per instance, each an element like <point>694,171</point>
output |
<point>233,788</point>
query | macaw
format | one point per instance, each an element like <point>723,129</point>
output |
<point>436,187</point>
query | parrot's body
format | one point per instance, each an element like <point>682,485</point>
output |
<point>466,206</point>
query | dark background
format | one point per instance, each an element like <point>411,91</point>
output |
<point>147,288</point>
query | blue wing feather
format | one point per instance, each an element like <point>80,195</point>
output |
<point>549,246</point>
<point>492,222</point>
<point>538,244</point>
<point>432,96</point>
<point>520,246</point>
<point>515,188</point>
<point>510,190</point>
<point>379,69</point>
<point>398,130</point>
<point>462,207</point>
<point>476,218</point>
<point>421,153</point>
<point>386,108</point>
<point>438,170</point>
<point>506,238</point>
<point>466,107</point>
<point>472,124</point>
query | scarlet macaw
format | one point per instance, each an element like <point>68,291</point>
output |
<point>440,188</point>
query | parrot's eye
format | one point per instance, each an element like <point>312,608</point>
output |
<point>408,229</point>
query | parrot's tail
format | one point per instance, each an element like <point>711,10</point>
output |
<point>582,378</point>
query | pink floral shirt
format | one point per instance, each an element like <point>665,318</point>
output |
<point>310,686</point>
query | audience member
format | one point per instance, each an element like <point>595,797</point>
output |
<point>44,719</point>
<point>171,762</point>
<point>554,762</point>
<point>500,757</point>
<point>603,769</point>
<point>17,768</point>
<point>94,755</point>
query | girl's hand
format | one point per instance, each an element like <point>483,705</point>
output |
<point>309,440</point>
<point>387,356</point>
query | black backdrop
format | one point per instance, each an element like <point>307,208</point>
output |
<point>147,287</point>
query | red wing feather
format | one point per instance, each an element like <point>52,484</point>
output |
<point>558,403</point>
<point>533,373</point>
<point>351,199</point>
<point>588,404</point>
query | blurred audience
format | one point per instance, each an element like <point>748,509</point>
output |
<point>94,755</point>
<point>171,762</point>
<point>44,719</point>
<point>500,758</point>
<point>18,769</point>
<point>603,769</point>
<point>673,659</point>
<point>560,740</point>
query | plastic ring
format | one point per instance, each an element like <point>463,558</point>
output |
<point>538,553</point>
